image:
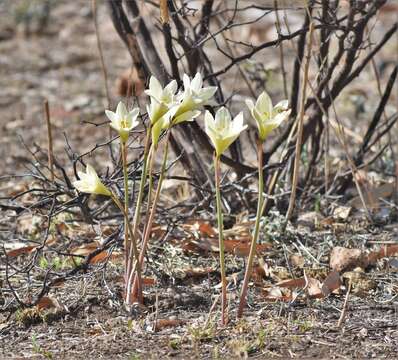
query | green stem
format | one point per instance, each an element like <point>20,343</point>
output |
<point>126,211</point>
<point>151,218</point>
<point>220,224</point>
<point>137,267</point>
<point>137,215</point>
<point>151,160</point>
<point>252,253</point>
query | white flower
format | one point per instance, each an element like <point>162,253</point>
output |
<point>90,183</point>
<point>267,117</point>
<point>161,99</point>
<point>223,131</point>
<point>194,96</point>
<point>159,94</point>
<point>122,120</point>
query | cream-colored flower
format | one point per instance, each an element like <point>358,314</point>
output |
<point>161,99</point>
<point>194,96</point>
<point>90,183</point>
<point>267,117</point>
<point>123,121</point>
<point>223,131</point>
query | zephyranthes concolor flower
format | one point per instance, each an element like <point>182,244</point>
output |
<point>223,131</point>
<point>90,183</point>
<point>267,117</point>
<point>123,121</point>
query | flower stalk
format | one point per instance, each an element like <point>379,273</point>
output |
<point>148,228</point>
<point>253,245</point>
<point>136,222</point>
<point>134,250</point>
<point>123,147</point>
<point>220,224</point>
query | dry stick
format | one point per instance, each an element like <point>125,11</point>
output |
<point>300,125</point>
<point>49,140</point>
<point>281,53</point>
<point>99,46</point>
<point>151,218</point>
<point>164,12</point>
<point>211,311</point>
<point>327,156</point>
<point>345,306</point>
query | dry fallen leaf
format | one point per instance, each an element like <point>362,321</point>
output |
<point>85,249</point>
<point>47,302</point>
<point>115,257</point>
<point>197,272</point>
<point>331,283</point>
<point>21,250</point>
<point>237,247</point>
<point>206,229</point>
<point>162,323</point>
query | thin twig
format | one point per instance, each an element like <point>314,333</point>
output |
<point>300,125</point>
<point>101,55</point>
<point>49,140</point>
<point>281,53</point>
<point>345,306</point>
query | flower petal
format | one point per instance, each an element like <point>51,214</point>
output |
<point>264,103</point>
<point>90,171</point>
<point>186,116</point>
<point>223,119</point>
<point>111,115</point>
<point>121,110</point>
<point>172,87</point>
<point>207,92</point>
<point>187,81</point>
<point>197,82</point>
<point>249,104</point>
<point>155,88</point>
<point>282,105</point>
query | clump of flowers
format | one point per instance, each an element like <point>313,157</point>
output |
<point>167,108</point>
